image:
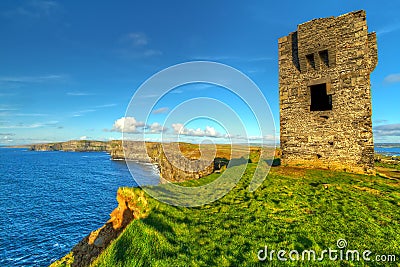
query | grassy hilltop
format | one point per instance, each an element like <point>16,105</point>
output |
<point>293,209</point>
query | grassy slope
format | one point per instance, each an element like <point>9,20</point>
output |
<point>293,209</point>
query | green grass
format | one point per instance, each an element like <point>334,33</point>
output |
<point>292,209</point>
<point>387,165</point>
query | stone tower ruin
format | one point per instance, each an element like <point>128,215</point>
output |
<point>325,95</point>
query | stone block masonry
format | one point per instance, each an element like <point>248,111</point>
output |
<point>325,95</point>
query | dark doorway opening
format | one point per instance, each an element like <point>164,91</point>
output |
<point>320,100</point>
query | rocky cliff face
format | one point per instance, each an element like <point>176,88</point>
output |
<point>73,145</point>
<point>132,204</point>
<point>173,166</point>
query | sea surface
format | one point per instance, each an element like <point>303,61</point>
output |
<point>50,200</point>
<point>393,150</point>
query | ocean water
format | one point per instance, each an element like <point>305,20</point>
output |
<point>388,151</point>
<point>50,200</point>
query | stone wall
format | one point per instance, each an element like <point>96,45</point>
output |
<point>325,96</point>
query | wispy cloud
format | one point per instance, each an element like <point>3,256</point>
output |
<point>80,113</point>
<point>388,29</point>
<point>192,87</point>
<point>29,126</point>
<point>380,121</point>
<point>256,70</point>
<point>393,78</point>
<point>261,58</point>
<point>176,91</point>
<point>150,96</point>
<point>127,53</point>
<point>31,79</point>
<point>30,114</point>
<point>135,39</point>
<point>106,106</point>
<point>162,110</point>
<point>7,94</point>
<point>6,139</point>
<point>25,140</point>
<point>78,94</point>
<point>234,58</point>
<point>33,9</point>
<point>151,52</point>
<point>135,45</point>
<point>387,130</point>
<point>7,109</point>
<point>11,111</point>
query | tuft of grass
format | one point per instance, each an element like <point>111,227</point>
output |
<point>387,165</point>
<point>65,261</point>
<point>293,209</point>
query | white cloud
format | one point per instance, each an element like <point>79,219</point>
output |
<point>127,125</point>
<point>177,127</point>
<point>157,128</point>
<point>207,132</point>
<point>160,110</point>
<point>210,131</point>
<point>393,78</point>
<point>83,137</point>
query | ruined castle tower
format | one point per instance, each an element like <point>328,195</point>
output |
<point>325,95</point>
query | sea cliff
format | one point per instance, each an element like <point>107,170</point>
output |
<point>132,204</point>
<point>173,166</point>
<point>74,145</point>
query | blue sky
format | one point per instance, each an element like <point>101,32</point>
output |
<point>68,69</point>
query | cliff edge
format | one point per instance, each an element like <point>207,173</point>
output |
<point>132,205</point>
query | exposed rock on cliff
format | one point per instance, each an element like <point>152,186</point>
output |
<point>73,145</point>
<point>173,165</point>
<point>132,204</point>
